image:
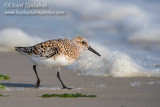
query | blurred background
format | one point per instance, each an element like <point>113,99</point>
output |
<point>125,32</point>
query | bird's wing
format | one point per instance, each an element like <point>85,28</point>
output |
<point>46,49</point>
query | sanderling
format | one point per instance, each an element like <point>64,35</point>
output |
<point>56,53</point>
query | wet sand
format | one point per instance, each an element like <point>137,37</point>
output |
<point>110,92</point>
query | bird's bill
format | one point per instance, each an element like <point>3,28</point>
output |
<point>92,50</point>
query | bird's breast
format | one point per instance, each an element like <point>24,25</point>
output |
<point>58,61</point>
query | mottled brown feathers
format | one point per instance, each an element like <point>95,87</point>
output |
<point>70,48</point>
<point>46,49</point>
<point>53,48</point>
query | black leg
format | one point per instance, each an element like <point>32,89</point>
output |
<point>38,80</point>
<point>64,87</point>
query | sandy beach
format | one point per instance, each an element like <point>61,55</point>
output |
<point>110,92</point>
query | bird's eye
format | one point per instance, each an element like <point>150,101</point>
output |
<point>83,42</point>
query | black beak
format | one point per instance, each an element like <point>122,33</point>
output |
<point>91,49</point>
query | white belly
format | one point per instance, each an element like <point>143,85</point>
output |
<point>59,61</point>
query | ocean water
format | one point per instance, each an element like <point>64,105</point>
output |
<point>126,33</point>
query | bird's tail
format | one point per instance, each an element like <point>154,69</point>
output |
<point>27,50</point>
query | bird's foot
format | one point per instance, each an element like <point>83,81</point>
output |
<point>64,87</point>
<point>37,84</point>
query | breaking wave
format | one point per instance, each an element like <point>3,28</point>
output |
<point>146,36</point>
<point>12,37</point>
<point>111,63</point>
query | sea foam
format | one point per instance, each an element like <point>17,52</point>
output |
<point>146,36</point>
<point>12,37</point>
<point>111,63</point>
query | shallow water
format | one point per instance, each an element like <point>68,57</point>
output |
<point>125,32</point>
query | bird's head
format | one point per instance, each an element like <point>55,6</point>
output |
<point>83,44</point>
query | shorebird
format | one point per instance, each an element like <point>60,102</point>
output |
<point>56,53</point>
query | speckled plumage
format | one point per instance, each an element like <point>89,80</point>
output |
<point>56,53</point>
<point>52,49</point>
